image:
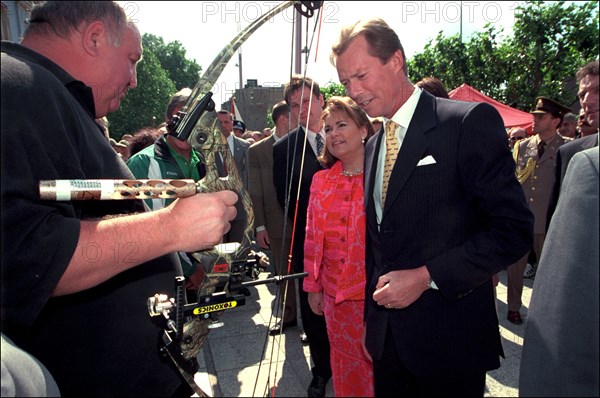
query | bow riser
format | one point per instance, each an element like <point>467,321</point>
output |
<point>206,137</point>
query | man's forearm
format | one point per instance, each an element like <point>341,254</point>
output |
<point>111,246</point>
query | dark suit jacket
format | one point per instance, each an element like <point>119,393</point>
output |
<point>267,210</point>
<point>560,347</point>
<point>464,217</point>
<point>287,158</point>
<point>564,155</point>
<point>240,155</point>
<point>240,222</point>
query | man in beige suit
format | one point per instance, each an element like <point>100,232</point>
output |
<point>536,164</point>
<point>268,215</point>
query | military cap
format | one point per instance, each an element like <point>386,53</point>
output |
<point>546,105</point>
<point>239,125</point>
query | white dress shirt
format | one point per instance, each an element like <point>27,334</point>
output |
<point>402,117</point>
<point>231,144</point>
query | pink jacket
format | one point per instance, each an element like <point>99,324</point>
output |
<point>351,282</point>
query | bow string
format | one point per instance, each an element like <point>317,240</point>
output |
<point>197,123</point>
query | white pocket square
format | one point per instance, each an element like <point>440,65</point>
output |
<point>426,160</point>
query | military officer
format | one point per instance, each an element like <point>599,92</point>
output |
<point>536,162</point>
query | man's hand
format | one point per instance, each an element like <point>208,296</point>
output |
<point>189,224</point>
<point>199,222</point>
<point>262,239</point>
<point>399,289</point>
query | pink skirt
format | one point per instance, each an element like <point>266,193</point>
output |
<point>352,372</point>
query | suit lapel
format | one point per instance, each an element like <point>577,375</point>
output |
<point>414,146</point>
<point>304,155</point>
<point>532,147</point>
<point>590,142</point>
<point>371,150</point>
<point>236,149</point>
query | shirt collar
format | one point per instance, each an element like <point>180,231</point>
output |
<point>275,136</point>
<point>311,133</point>
<point>403,115</point>
<point>538,139</point>
<point>82,93</point>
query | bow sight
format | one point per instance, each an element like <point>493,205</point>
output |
<point>229,294</point>
<point>188,324</point>
<point>182,124</point>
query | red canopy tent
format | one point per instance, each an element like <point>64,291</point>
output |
<point>512,117</point>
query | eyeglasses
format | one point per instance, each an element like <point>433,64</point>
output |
<point>516,138</point>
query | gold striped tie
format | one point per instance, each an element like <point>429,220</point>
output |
<point>391,153</point>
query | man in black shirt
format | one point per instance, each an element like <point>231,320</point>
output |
<point>76,276</point>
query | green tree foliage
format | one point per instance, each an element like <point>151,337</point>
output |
<point>550,42</point>
<point>145,105</point>
<point>332,89</point>
<point>270,122</point>
<point>163,71</point>
<point>183,72</point>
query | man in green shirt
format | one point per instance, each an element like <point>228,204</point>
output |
<point>170,158</point>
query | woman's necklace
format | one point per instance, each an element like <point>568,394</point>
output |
<point>352,173</point>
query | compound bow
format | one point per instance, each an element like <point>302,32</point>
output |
<point>188,324</point>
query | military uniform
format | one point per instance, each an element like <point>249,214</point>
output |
<point>538,175</point>
<point>536,164</point>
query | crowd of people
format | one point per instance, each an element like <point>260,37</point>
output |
<point>403,205</point>
<point>130,144</point>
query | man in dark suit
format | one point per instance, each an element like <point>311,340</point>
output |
<point>452,216</point>
<point>587,77</point>
<point>560,346</point>
<point>294,164</point>
<point>239,146</point>
<point>239,149</point>
<point>269,220</point>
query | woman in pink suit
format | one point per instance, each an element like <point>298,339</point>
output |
<point>335,244</point>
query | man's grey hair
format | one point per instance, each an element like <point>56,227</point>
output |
<point>570,117</point>
<point>61,18</point>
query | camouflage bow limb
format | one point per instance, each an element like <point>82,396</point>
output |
<point>221,174</point>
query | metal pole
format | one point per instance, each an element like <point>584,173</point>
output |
<point>461,21</point>
<point>298,52</point>
<point>240,64</point>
